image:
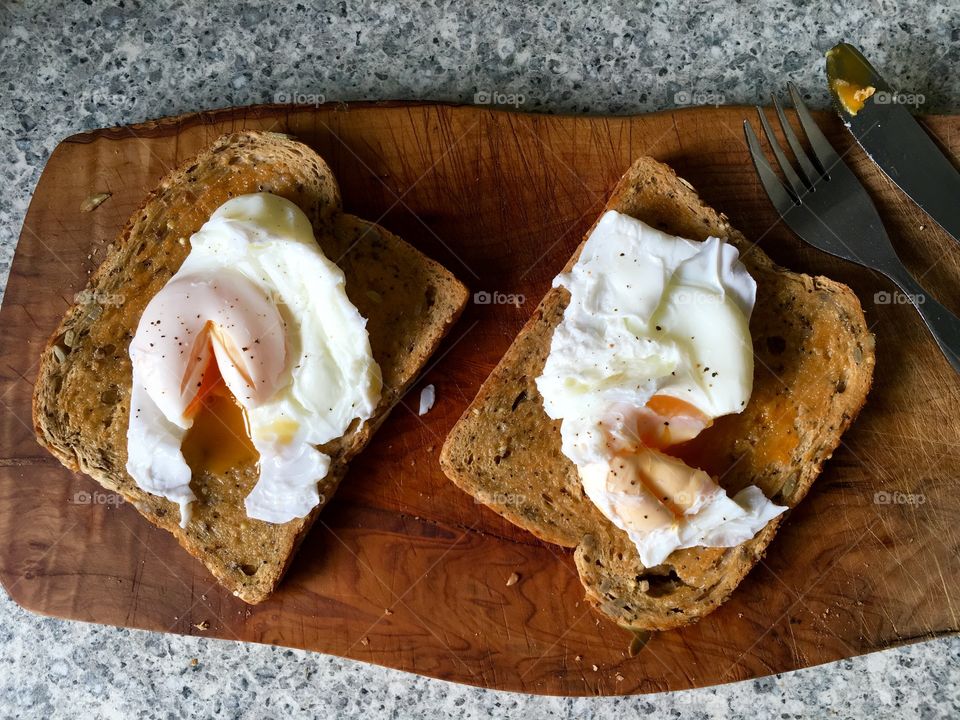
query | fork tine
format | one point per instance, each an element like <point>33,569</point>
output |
<point>807,170</point>
<point>778,195</point>
<point>788,172</point>
<point>823,151</point>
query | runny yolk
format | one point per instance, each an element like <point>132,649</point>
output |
<point>219,438</point>
<point>673,421</point>
<point>284,430</point>
<point>669,406</point>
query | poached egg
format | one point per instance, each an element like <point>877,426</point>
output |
<point>251,352</point>
<point>653,346</point>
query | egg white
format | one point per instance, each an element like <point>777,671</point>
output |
<point>650,315</point>
<point>290,345</point>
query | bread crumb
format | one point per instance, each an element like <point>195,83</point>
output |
<point>578,658</point>
<point>428,396</point>
<point>94,201</point>
<point>387,611</point>
<point>194,662</point>
<point>513,579</point>
<point>202,625</point>
<point>364,641</point>
<point>619,677</point>
<point>595,668</point>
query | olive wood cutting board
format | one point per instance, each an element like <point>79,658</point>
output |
<point>405,570</point>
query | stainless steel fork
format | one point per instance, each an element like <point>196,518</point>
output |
<point>824,203</point>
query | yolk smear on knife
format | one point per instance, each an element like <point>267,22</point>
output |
<point>219,438</point>
<point>852,96</point>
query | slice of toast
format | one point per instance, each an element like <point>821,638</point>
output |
<point>814,366</point>
<point>82,395</point>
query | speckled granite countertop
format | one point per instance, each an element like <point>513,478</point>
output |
<point>66,67</point>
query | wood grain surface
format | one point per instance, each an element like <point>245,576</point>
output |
<point>405,570</point>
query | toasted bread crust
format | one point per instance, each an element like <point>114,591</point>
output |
<point>813,372</point>
<point>82,393</point>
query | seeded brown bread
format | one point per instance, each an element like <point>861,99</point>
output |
<point>813,369</point>
<point>82,394</point>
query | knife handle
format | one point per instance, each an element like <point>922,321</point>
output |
<point>943,324</point>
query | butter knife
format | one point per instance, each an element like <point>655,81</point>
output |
<point>878,118</point>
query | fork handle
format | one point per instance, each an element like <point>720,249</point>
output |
<point>943,324</point>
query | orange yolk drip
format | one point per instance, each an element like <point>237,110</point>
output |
<point>219,438</point>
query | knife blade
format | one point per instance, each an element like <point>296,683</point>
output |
<point>877,117</point>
